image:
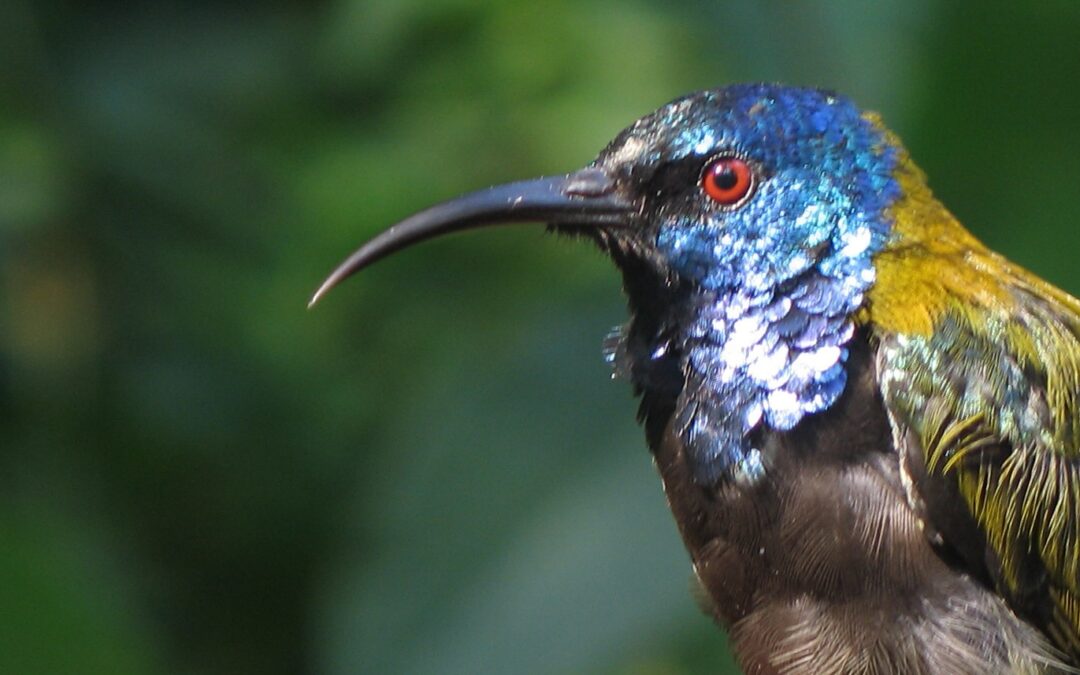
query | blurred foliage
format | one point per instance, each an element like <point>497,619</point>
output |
<point>432,472</point>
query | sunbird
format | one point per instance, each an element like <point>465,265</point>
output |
<point>866,422</point>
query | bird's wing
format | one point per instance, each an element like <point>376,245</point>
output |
<point>985,410</point>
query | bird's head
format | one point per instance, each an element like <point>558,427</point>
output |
<point>740,190</point>
<point>745,221</point>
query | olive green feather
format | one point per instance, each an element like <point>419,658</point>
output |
<point>979,367</point>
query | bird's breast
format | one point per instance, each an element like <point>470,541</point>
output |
<point>824,566</point>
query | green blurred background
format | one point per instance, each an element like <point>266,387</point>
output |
<point>432,473</point>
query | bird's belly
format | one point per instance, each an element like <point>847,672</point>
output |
<point>824,568</point>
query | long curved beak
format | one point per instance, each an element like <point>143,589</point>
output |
<point>583,198</point>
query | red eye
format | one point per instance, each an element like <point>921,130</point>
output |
<point>727,180</point>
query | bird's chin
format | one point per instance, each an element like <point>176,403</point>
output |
<point>579,230</point>
<point>611,239</point>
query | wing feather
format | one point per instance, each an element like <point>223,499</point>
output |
<point>986,403</point>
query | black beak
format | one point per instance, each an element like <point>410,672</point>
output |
<point>583,198</point>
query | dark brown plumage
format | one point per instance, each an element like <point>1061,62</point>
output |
<point>825,567</point>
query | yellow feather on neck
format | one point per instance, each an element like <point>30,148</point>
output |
<point>932,267</point>
<point>931,264</point>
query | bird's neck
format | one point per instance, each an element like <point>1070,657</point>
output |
<point>725,365</point>
<point>932,265</point>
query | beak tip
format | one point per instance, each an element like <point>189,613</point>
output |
<point>317,295</point>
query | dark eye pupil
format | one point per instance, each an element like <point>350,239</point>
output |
<point>725,177</point>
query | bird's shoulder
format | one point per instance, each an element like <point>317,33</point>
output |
<point>979,367</point>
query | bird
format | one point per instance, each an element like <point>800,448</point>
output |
<point>866,423</point>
